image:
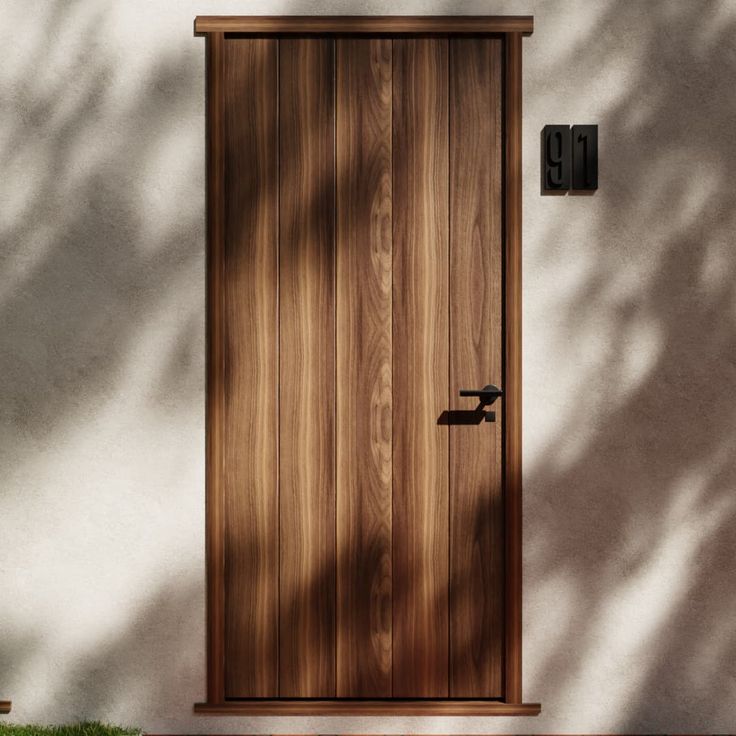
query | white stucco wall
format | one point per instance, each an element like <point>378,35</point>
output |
<point>630,368</point>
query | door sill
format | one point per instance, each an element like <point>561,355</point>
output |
<point>387,707</point>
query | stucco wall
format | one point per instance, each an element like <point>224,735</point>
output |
<point>630,368</point>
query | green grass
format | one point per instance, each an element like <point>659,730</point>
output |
<point>89,728</point>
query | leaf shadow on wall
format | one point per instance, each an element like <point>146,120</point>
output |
<point>103,236</point>
<point>630,512</point>
<point>84,271</point>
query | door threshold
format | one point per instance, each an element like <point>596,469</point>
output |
<point>387,707</point>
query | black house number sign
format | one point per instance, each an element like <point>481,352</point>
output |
<point>569,157</point>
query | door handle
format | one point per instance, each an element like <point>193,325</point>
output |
<point>486,395</point>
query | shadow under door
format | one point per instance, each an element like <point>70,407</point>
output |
<point>358,281</point>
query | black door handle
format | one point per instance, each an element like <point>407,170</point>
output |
<point>486,395</point>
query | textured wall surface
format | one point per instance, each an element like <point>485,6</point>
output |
<point>630,368</point>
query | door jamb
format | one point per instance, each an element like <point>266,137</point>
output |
<point>512,365</point>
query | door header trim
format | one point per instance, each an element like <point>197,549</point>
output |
<point>365,24</point>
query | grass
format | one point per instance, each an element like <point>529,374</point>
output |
<point>88,728</point>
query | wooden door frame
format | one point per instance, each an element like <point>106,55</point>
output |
<point>511,28</point>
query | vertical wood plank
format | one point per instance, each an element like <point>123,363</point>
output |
<point>215,378</point>
<point>363,241</point>
<point>251,393</point>
<point>512,365</point>
<point>307,368</point>
<point>476,306</point>
<point>420,367</point>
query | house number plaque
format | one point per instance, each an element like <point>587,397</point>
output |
<point>569,158</point>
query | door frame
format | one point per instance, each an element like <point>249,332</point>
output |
<point>511,28</point>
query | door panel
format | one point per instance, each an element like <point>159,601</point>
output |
<point>476,503</point>
<point>250,452</point>
<point>307,368</point>
<point>362,289</point>
<point>420,365</point>
<point>364,432</point>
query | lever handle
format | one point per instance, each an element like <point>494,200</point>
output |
<point>487,395</point>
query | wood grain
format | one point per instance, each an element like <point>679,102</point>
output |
<point>251,390</point>
<point>476,491</point>
<point>420,368</point>
<point>371,24</point>
<point>363,145</point>
<point>5,706</point>
<point>307,368</point>
<point>395,637</point>
<point>370,708</point>
<point>512,366</point>
<point>214,410</point>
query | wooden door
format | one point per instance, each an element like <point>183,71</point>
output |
<point>363,517</point>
